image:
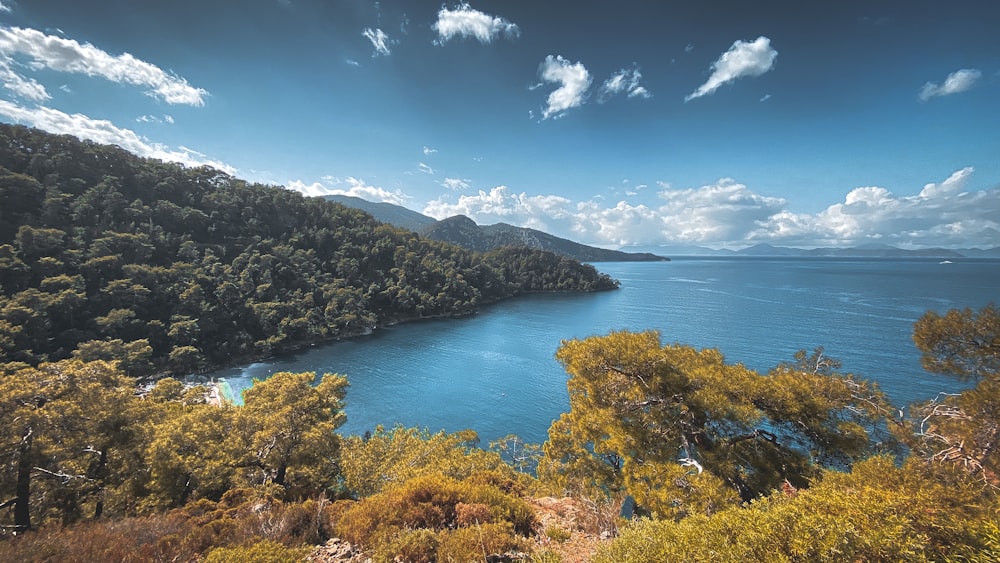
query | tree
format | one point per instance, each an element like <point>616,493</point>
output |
<point>390,457</point>
<point>287,424</point>
<point>644,415</point>
<point>961,428</point>
<point>63,448</point>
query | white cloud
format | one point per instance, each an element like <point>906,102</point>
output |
<point>456,184</point>
<point>466,22</point>
<point>574,80</point>
<point>425,168</point>
<point>942,214</point>
<point>742,59</point>
<point>499,204</point>
<point>358,188</point>
<point>20,86</point>
<point>624,81</point>
<point>429,151</point>
<point>105,132</point>
<point>728,213</point>
<point>4,7</point>
<point>956,82</point>
<point>67,55</point>
<point>154,119</point>
<point>380,41</point>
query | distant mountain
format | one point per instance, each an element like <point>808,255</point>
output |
<point>861,251</point>
<point>678,250</point>
<point>394,215</point>
<point>981,252</point>
<point>465,232</point>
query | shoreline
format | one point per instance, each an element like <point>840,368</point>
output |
<point>219,393</point>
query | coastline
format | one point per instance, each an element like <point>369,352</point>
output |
<point>220,392</point>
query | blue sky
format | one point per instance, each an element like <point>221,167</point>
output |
<point>612,123</point>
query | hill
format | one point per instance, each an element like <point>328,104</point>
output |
<point>105,255</point>
<point>466,233</point>
<point>395,215</point>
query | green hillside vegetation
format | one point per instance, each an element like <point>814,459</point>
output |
<point>104,255</point>
<point>719,462</point>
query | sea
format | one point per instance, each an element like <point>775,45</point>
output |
<point>495,371</point>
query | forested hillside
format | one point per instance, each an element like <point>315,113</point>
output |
<point>104,255</point>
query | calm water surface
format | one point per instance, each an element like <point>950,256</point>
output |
<point>495,372</point>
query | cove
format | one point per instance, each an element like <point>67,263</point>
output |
<point>495,371</point>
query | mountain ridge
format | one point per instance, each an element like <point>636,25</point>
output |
<point>465,232</point>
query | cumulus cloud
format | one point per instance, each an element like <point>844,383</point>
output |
<point>105,132</point>
<point>574,80</point>
<point>429,151</point>
<point>729,213</point>
<point>956,82</point>
<point>742,59</point>
<point>465,22</point>
<point>625,81</point>
<point>941,214</point>
<point>500,204</point>
<point>66,55</point>
<point>358,188</point>
<point>380,41</point>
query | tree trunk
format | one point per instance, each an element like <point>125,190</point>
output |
<point>22,512</point>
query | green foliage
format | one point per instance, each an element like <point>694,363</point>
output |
<point>80,444</point>
<point>437,518</point>
<point>963,343</point>
<point>389,457</point>
<point>961,429</point>
<point>261,552</point>
<point>100,246</point>
<point>287,429</point>
<point>685,433</point>
<point>877,512</point>
<point>65,454</point>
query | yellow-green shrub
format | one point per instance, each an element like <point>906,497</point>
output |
<point>261,552</point>
<point>439,508</point>
<point>475,543</point>
<point>878,512</point>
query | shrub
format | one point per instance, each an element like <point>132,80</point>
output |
<point>261,552</point>
<point>476,543</point>
<point>435,516</point>
<point>878,512</point>
<point>557,534</point>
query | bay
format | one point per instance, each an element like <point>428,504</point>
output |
<point>495,372</point>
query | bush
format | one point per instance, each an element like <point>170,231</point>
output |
<point>476,543</point>
<point>261,552</point>
<point>434,518</point>
<point>878,512</point>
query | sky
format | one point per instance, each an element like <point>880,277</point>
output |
<point>627,123</point>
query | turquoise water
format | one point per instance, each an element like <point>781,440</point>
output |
<point>495,371</point>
